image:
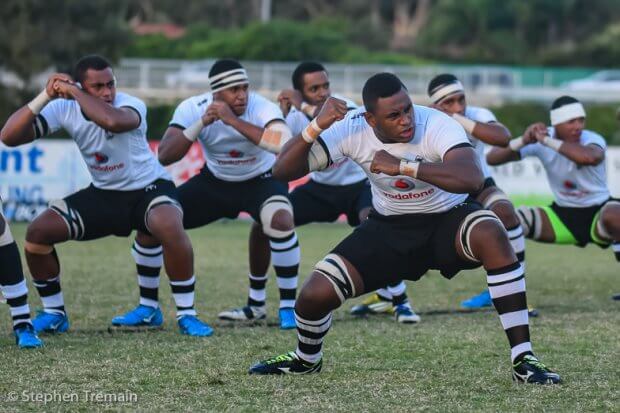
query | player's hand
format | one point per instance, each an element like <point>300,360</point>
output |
<point>534,133</point>
<point>220,110</point>
<point>332,111</point>
<point>64,89</point>
<point>208,117</point>
<point>52,80</point>
<point>385,163</point>
<point>285,105</point>
<point>292,96</point>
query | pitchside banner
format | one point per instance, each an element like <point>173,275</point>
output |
<point>31,175</point>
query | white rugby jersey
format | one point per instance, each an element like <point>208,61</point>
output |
<point>116,161</point>
<point>230,156</point>
<point>481,115</point>
<point>572,185</point>
<point>435,133</point>
<point>342,171</point>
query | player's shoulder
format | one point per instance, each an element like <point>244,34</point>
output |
<point>429,117</point>
<point>257,100</point>
<point>197,101</point>
<point>350,104</point>
<point>123,98</point>
<point>474,112</point>
<point>591,137</point>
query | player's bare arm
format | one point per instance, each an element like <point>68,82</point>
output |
<point>292,163</point>
<point>458,173</point>
<point>500,156</point>
<point>112,119</point>
<point>176,142</point>
<point>585,155</point>
<point>19,129</point>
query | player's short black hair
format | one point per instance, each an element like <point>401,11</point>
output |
<point>563,101</point>
<point>381,85</point>
<point>92,61</point>
<point>302,69</point>
<point>224,65</point>
<point>440,81</point>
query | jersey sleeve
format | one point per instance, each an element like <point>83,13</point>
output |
<point>532,149</point>
<point>265,111</point>
<point>483,115</point>
<point>594,139</point>
<point>333,140</point>
<point>185,114</point>
<point>51,118</point>
<point>444,134</point>
<point>135,104</point>
<point>296,121</point>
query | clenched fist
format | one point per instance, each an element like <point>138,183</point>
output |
<point>332,111</point>
<point>385,163</point>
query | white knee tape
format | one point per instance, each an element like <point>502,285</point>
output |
<point>600,228</point>
<point>497,196</point>
<point>335,270</point>
<point>531,221</point>
<point>268,210</point>
<point>72,218</point>
<point>468,225</point>
<point>158,201</point>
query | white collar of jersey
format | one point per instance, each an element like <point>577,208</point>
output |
<point>228,79</point>
<point>566,113</point>
<point>448,89</point>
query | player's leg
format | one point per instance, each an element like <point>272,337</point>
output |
<point>14,289</point>
<point>148,256</point>
<point>163,219</point>
<point>333,280</point>
<point>606,228</point>
<point>494,199</point>
<point>482,238</point>
<point>55,225</point>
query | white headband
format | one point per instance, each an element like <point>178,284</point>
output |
<point>228,79</point>
<point>566,113</point>
<point>446,90</point>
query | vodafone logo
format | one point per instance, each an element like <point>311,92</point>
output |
<point>402,184</point>
<point>235,154</point>
<point>570,185</point>
<point>101,157</point>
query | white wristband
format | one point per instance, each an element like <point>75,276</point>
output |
<point>311,132</point>
<point>552,143</point>
<point>308,109</point>
<point>465,122</point>
<point>409,168</point>
<point>38,103</point>
<point>516,144</point>
<point>192,132</point>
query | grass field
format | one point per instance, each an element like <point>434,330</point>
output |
<point>452,361</point>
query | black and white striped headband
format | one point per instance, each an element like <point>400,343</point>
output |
<point>445,90</point>
<point>230,78</point>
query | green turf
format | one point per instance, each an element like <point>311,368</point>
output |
<point>450,362</point>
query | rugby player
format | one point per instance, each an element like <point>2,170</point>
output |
<point>433,225</point>
<point>130,190</point>
<point>583,210</point>
<point>448,95</point>
<point>340,189</point>
<point>240,132</point>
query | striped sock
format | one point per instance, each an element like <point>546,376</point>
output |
<point>257,293</point>
<point>517,240</point>
<point>399,293</point>
<point>13,285</point>
<point>507,289</point>
<point>183,293</point>
<point>310,334</point>
<point>615,246</point>
<point>51,295</point>
<point>149,261</point>
<point>285,256</point>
